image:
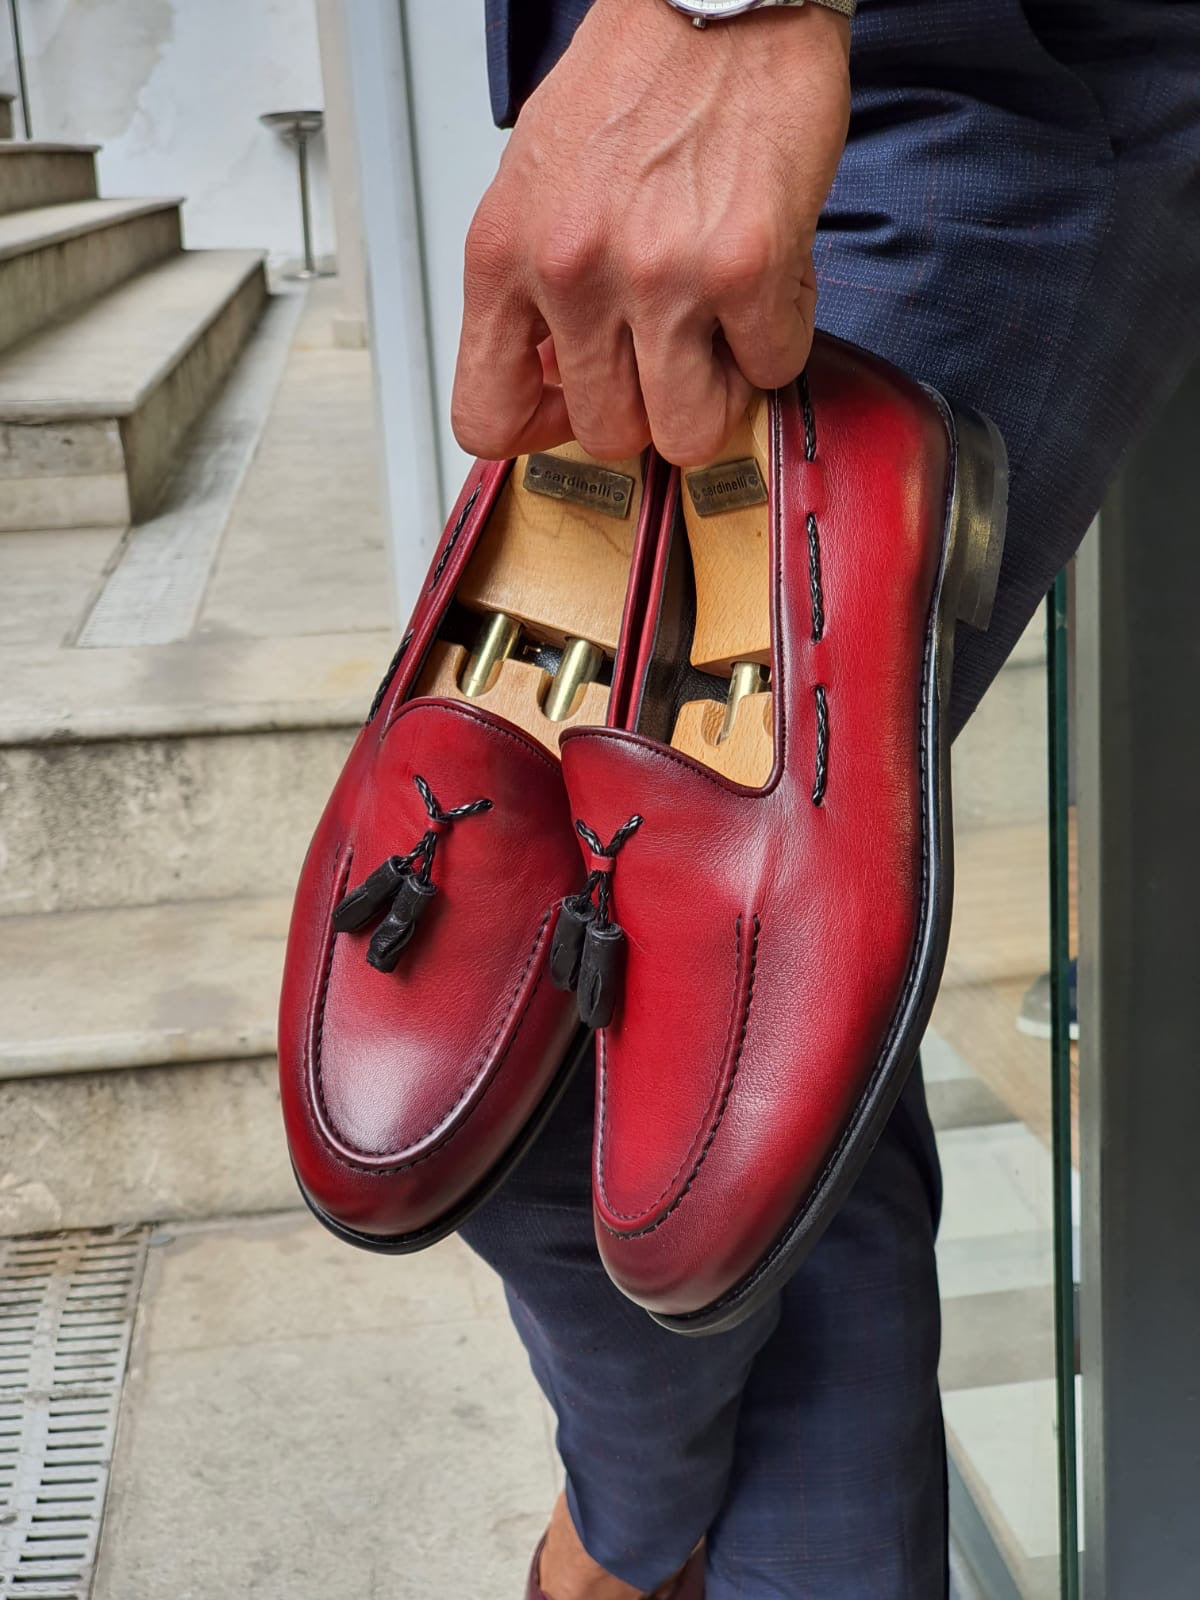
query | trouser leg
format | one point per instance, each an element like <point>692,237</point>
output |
<point>646,1419</point>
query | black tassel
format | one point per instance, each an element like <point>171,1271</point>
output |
<point>397,928</point>
<point>357,908</point>
<point>574,918</point>
<point>600,972</point>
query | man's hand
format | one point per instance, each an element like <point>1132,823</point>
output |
<point>644,255</point>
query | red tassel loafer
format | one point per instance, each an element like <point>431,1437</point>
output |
<point>781,899</point>
<point>422,1041</point>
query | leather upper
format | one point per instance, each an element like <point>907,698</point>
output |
<point>771,932</point>
<point>403,1089</point>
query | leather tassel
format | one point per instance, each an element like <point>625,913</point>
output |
<point>566,950</point>
<point>600,972</point>
<point>357,908</point>
<point>393,934</point>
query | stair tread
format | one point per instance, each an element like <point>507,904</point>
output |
<point>183,981</point>
<point>215,685</point>
<point>24,231</point>
<point>105,359</point>
<point>44,147</point>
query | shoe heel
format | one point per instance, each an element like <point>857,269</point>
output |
<point>977,517</point>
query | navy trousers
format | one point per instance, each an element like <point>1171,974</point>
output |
<point>1016,220</point>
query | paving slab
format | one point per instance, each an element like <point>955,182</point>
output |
<point>304,1422</point>
<point>304,552</point>
<point>47,579</point>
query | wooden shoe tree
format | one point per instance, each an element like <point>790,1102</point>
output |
<point>550,570</point>
<point>726,514</point>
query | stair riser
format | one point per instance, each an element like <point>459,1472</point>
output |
<point>153,1144</point>
<point>151,436</point>
<point>45,283</point>
<point>31,178</point>
<point>63,475</point>
<point>135,822</point>
<point>107,472</point>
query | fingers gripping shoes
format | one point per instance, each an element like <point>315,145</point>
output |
<point>786,896</point>
<point>421,1042</point>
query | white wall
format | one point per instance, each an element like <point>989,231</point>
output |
<point>172,90</point>
<point>457,147</point>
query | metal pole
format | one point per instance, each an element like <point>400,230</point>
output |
<point>310,265</point>
<point>22,81</point>
<point>1138,652</point>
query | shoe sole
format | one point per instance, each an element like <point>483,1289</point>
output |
<point>403,1244</point>
<point>973,546</point>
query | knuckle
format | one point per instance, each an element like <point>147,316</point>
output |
<point>565,258</point>
<point>489,247</point>
<point>650,269</point>
<point>742,260</point>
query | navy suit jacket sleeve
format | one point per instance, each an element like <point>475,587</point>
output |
<point>524,40</point>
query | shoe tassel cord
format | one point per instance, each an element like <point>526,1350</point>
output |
<point>588,952</point>
<point>405,881</point>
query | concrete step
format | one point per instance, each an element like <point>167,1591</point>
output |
<point>186,981</point>
<point>92,409</point>
<point>132,821</point>
<point>137,1078</point>
<point>143,1144</point>
<point>35,175</point>
<point>55,258</point>
<point>196,770</point>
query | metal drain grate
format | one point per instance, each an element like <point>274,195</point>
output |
<point>66,1310</point>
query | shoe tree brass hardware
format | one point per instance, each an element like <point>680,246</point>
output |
<point>546,571</point>
<point>497,641</point>
<point>580,665</point>
<point>726,514</point>
<point>748,678</point>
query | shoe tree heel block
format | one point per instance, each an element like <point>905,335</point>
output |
<point>548,571</point>
<point>726,515</point>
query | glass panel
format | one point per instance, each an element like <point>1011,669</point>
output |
<point>989,1064</point>
<point>1064,1093</point>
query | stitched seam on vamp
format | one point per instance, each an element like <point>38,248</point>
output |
<point>638,1233</point>
<point>472,1082</point>
<point>715,1099</point>
<point>781,1244</point>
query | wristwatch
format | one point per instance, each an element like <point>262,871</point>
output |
<point>702,12</point>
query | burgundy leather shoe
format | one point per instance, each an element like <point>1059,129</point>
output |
<point>785,894</point>
<point>421,1040</point>
<point>688,1586</point>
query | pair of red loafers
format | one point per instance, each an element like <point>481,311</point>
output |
<point>742,881</point>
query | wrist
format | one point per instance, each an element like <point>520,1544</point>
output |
<point>703,14</point>
<point>784,30</point>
